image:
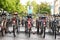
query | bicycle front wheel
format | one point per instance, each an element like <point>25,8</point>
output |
<point>29,32</point>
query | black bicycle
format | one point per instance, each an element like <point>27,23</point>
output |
<point>55,26</point>
<point>14,30</point>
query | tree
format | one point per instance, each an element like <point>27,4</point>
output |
<point>44,8</point>
<point>35,7</point>
<point>22,10</point>
<point>28,3</point>
<point>10,5</point>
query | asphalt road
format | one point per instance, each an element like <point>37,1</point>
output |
<point>23,36</point>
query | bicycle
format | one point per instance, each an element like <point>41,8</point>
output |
<point>14,28</point>
<point>29,26</point>
<point>43,27</point>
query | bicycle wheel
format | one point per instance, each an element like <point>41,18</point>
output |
<point>44,33</point>
<point>14,31</point>
<point>55,32</point>
<point>29,32</point>
<point>3,32</point>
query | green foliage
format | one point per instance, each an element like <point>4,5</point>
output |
<point>15,5</point>
<point>35,6</point>
<point>44,8</point>
<point>28,3</point>
<point>41,8</point>
<point>10,5</point>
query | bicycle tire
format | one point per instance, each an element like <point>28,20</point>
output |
<point>29,32</point>
<point>14,31</point>
<point>2,31</point>
<point>55,32</point>
<point>44,33</point>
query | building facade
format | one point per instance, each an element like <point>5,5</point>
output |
<point>57,6</point>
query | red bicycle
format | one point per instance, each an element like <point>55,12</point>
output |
<point>29,26</point>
